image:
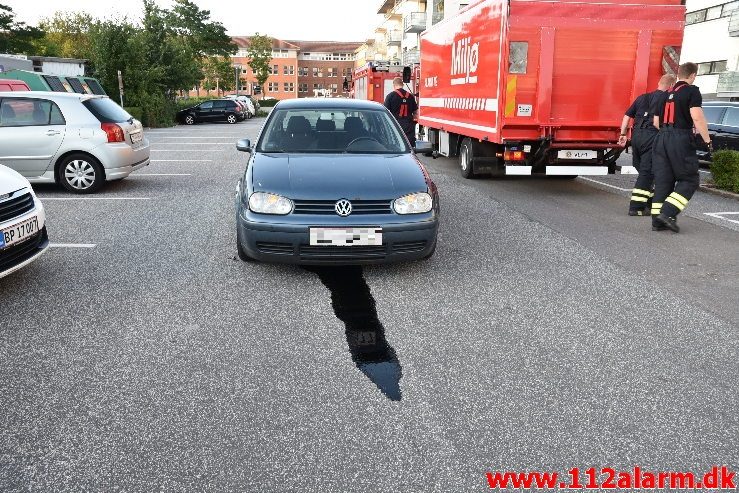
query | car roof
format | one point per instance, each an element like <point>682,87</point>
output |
<point>50,94</point>
<point>335,103</point>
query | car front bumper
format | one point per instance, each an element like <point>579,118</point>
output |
<point>410,238</point>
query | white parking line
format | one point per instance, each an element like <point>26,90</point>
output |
<point>210,137</point>
<point>181,161</point>
<point>605,184</point>
<point>194,143</point>
<point>94,198</point>
<point>188,150</point>
<point>719,215</point>
<point>162,174</point>
<point>72,245</point>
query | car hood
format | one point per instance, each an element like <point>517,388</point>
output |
<point>335,176</point>
<point>11,180</point>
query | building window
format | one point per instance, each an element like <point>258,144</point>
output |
<point>708,68</point>
<point>273,86</point>
<point>317,86</point>
<point>695,17</point>
<point>711,13</point>
<point>288,70</point>
<point>303,71</point>
<point>729,8</point>
<point>289,87</point>
<point>333,72</point>
<point>714,12</point>
<point>302,87</point>
<point>274,70</point>
<point>244,71</point>
<point>334,88</point>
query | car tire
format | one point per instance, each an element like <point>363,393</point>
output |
<point>80,173</point>
<point>189,120</point>
<point>242,253</point>
<point>232,118</point>
<point>465,159</point>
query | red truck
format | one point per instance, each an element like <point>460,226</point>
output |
<point>374,81</point>
<point>521,87</point>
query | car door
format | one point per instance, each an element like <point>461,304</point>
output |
<point>203,111</point>
<point>219,109</point>
<point>727,134</point>
<point>31,132</point>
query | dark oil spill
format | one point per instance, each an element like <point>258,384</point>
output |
<point>354,305</point>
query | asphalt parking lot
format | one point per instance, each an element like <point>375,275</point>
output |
<point>549,331</point>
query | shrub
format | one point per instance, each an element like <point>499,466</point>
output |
<point>136,112</point>
<point>261,113</point>
<point>725,170</point>
<point>267,103</point>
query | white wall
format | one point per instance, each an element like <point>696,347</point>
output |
<point>64,69</point>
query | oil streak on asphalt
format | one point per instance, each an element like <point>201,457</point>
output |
<point>354,305</point>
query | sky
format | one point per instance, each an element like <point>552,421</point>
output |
<point>310,20</point>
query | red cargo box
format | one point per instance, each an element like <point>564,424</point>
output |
<point>540,78</point>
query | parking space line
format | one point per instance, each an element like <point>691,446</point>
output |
<point>188,150</point>
<point>181,161</point>
<point>605,184</point>
<point>719,215</point>
<point>193,143</point>
<point>72,245</point>
<point>162,174</point>
<point>209,137</point>
<point>93,198</point>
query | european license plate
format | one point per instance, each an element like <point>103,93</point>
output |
<point>345,236</point>
<point>18,232</point>
<point>574,154</point>
<point>137,137</point>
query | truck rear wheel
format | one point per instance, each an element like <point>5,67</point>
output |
<point>465,159</point>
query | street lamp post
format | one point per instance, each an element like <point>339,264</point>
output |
<point>237,72</point>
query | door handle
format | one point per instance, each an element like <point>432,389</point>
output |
<point>52,132</point>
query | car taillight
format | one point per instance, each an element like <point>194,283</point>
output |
<point>514,156</point>
<point>114,132</point>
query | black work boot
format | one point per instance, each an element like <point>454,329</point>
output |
<point>640,212</point>
<point>668,222</point>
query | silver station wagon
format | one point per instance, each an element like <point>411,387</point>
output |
<point>77,140</point>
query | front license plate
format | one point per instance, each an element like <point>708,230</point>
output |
<point>19,232</point>
<point>137,137</point>
<point>345,236</point>
<point>573,154</point>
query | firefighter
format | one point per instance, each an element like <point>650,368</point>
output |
<point>674,161</point>
<point>642,138</point>
<point>402,104</point>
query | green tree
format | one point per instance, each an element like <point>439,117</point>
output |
<point>218,72</point>
<point>260,55</point>
<point>16,37</point>
<point>205,37</point>
<point>66,35</point>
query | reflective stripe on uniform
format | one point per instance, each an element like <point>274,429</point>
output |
<point>656,207</point>
<point>680,206</point>
<point>639,191</point>
<point>679,198</point>
<point>636,198</point>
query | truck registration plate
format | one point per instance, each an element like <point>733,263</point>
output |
<point>576,154</point>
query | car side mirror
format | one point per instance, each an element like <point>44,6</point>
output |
<point>422,147</point>
<point>243,145</point>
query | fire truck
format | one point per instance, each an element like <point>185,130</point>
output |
<point>521,87</point>
<point>374,80</point>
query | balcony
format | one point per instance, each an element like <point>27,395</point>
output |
<point>394,38</point>
<point>734,23</point>
<point>437,17</point>
<point>728,85</point>
<point>411,57</point>
<point>415,22</point>
<point>387,6</point>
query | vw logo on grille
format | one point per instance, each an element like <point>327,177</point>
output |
<point>343,207</point>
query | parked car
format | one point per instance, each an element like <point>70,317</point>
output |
<point>23,235</point>
<point>334,181</point>
<point>213,110</point>
<point>77,140</point>
<point>723,126</point>
<point>13,85</point>
<point>245,100</point>
<point>243,111</point>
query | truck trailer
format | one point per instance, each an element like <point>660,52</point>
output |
<point>522,87</point>
<point>374,80</point>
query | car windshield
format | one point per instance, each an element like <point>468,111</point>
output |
<point>302,130</point>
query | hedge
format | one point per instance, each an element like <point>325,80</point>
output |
<point>267,103</point>
<point>725,170</point>
<point>136,112</point>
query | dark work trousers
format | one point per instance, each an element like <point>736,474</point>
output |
<point>642,140</point>
<point>409,128</point>
<point>675,166</point>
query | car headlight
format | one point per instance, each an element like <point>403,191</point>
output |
<point>269,203</point>
<point>415,203</point>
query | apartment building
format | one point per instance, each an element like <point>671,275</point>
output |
<point>299,69</point>
<point>712,41</point>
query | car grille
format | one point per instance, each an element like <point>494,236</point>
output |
<point>17,206</point>
<point>331,253</point>
<point>409,246</point>
<point>275,248</point>
<point>19,253</point>
<point>326,207</point>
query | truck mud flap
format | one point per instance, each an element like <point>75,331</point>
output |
<point>517,170</point>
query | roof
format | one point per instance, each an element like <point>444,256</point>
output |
<point>327,46</point>
<point>52,94</point>
<point>243,42</point>
<point>335,103</point>
<point>57,59</point>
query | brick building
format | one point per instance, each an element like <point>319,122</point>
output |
<point>299,68</point>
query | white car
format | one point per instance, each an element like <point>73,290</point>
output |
<point>249,105</point>
<point>22,223</point>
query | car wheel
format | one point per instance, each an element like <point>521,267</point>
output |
<point>80,173</point>
<point>231,119</point>
<point>465,159</point>
<point>189,120</point>
<point>242,253</point>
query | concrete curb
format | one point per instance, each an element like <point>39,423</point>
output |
<point>720,193</point>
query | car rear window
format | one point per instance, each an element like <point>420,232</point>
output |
<point>106,110</point>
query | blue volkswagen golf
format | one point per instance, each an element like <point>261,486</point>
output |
<point>334,181</point>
